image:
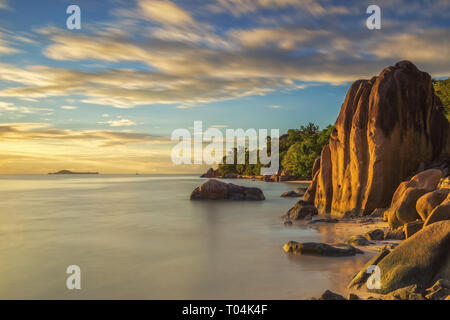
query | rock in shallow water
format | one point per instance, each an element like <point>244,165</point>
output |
<point>217,190</point>
<point>330,295</point>
<point>376,234</point>
<point>358,240</point>
<point>320,249</point>
<point>326,220</point>
<point>301,210</point>
<point>291,194</point>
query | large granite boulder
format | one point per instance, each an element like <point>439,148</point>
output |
<point>440,213</point>
<point>360,279</point>
<point>217,190</point>
<point>420,260</point>
<point>428,202</point>
<point>388,126</point>
<point>403,206</point>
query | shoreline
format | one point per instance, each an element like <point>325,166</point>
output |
<point>334,233</point>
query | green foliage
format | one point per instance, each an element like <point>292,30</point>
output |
<point>300,156</point>
<point>442,89</point>
<point>298,150</point>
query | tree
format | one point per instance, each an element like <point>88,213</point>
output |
<point>442,89</point>
<point>298,150</point>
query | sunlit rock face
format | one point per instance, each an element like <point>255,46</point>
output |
<point>387,127</point>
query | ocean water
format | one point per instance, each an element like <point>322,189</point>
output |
<point>139,237</point>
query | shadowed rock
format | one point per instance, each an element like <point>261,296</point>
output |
<point>330,295</point>
<point>217,190</point>
<point>211,173</point>
<point>301,210</point>
<point>440,213</point>
<point>320,249</point>
<point>439,290</point>
<point>387,127</point>
<point>358,240</point>
<point>412,227</point>
<point>405,293</point>
<point>291,194</point>
<point>428,202</point>
<point>403,206</point>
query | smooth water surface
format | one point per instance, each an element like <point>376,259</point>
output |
<point>139,237</point>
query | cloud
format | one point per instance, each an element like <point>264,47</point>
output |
<point>191,63</point>
<point>44,132</point>
<point>69,107</point>
<point>275,107</point>
<point>4,4</point>
<point>424,47</point>
<point>314,7</point>
<point>11,107</point>
<point>5,45</point>
<point>41,148</point>
<point>119,123</point>
<point>282,38</point>
<point>165,13</point>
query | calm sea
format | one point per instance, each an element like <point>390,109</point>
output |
<point>139,237</point>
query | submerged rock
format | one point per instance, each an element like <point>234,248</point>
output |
<point>358,240</point>
<point>217,190</point>
<point>320,249</point>
<point>326,220</point>
<point>386,128</point>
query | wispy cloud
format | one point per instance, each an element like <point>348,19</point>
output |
<point>45,132</point>
<point>119,123</point>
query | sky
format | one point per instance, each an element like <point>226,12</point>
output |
<point>108,96</point>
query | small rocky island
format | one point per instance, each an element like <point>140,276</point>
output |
<point>72,172</point>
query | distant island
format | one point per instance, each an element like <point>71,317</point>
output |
<point>71,172</point>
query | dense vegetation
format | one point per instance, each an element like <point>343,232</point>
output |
<point>298,150</point>
<point>442,89</point>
